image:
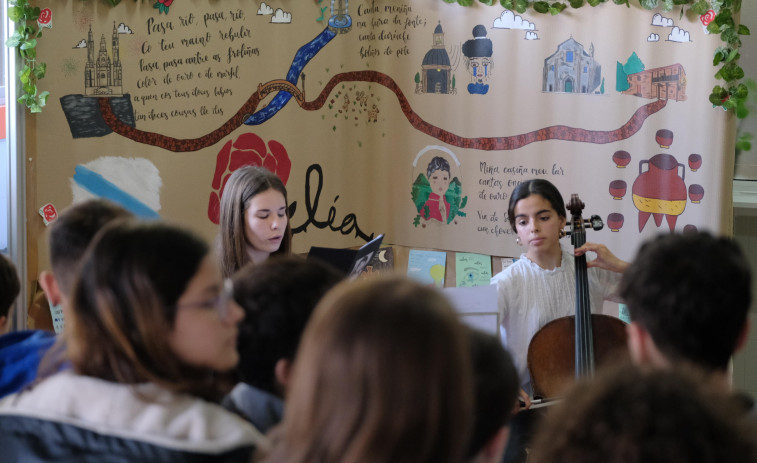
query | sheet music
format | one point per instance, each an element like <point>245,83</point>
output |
<point>477,307</point>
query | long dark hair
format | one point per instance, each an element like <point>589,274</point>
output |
<point>123,306</point>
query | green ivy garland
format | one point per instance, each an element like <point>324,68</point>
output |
<point>24,39</point>
<point>731,96</point>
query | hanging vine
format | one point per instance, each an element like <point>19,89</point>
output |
<point>717,15</point>
<point>24,39</point>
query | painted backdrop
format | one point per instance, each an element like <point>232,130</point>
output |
<point>411,118</point>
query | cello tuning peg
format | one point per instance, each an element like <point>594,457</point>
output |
<point>595,223</point>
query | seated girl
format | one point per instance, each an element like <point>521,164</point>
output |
<point>541,285</point>
<point>150,329</point>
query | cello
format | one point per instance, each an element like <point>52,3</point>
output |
<point>571,347</point>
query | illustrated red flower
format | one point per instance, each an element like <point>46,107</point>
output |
<point>707,17</point>
<point>45,18</point>
<point>247,150</point>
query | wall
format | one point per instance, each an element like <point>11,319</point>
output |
<point>353,116</point>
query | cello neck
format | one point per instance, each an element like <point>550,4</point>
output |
<point>584,337</point>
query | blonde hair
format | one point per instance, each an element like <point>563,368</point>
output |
<point>382,375</point>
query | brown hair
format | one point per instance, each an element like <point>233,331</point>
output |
<point>382,375</point>
<point>123,306</point>
<point>242,186</point>
<point>631,415</point>
<point>72,232</point>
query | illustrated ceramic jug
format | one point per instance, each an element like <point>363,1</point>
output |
<point>660,190</point>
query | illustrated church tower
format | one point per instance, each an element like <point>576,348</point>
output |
<point>436,71</point>
<point>103,75</point>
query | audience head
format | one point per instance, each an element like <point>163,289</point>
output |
<point>495,389</point>
<point>69,237</point>
<point>537,186</point>
<point>630,415</point>
<point>253,220</point>
<point>10,287</point>
<point>689,294</point>
<point>382,375</point>
<point>150,306</point>
<point>278,297</point>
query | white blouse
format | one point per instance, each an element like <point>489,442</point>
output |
<point>529,297</point>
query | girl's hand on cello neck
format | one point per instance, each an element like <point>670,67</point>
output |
<point>605,258</point>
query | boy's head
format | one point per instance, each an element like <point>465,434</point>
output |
<point>630,414</point>
<point>496,392</point>
<point>10,286</point>
<point>69,237</point>
<point>278,297</point>
<point>690,295</point>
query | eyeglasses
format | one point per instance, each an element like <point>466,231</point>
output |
<point>220,303</point>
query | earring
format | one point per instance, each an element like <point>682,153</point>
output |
<point>517,240</point>
<point>563,234</point>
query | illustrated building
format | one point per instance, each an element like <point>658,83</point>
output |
<point>103,74</point>
<point>571,69</point>
<point>665,83</point>
<point>436,74</point>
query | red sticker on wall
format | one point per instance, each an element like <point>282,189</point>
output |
<point>48,213</point>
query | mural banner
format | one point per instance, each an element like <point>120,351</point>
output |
<point>411,118</point>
